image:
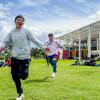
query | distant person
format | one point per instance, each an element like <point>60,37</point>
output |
<point>51,50</point>
<point>7,62</point>
<point>19,41</point>
<point>2,62</point>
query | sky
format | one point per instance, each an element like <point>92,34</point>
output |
<point>45,16</point>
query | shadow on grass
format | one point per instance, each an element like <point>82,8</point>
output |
<point>39,80</point>
<point>12,99</point>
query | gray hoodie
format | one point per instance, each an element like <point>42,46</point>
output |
<point>19,42</point>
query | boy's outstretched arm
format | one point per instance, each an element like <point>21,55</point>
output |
<point>34,40</point>
<point>6,42</point>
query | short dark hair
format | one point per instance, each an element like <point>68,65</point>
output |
<point>19,16</point>
<point>50,34</point>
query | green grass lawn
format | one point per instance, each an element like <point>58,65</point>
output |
<point>71,82</point>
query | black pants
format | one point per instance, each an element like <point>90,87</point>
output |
<point>46,57</point>
<point>19,70</point>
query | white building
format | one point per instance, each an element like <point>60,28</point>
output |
<point>88,36</point>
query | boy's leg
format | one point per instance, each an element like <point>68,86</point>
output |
<point>47,61</point>
<point>15,65</point>
<point>54,65</point>
<point>24,69</point>
<point>46,57</point>
<point>53,61</point>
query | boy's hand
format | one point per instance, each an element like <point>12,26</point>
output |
<point>47,51</point>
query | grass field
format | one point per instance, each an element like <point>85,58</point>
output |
<point>71,82</point>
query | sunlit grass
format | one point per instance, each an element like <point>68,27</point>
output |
<point>71,82</point>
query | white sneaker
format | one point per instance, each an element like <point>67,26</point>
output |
<point>53,75</point>
<point>20,96</point>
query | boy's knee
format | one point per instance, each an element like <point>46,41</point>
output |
<point>14,73</point>
<point>24,77</point>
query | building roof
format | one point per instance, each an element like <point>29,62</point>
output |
<point>94,28</point>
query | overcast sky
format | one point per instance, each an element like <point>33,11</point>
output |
<point>44,16</point>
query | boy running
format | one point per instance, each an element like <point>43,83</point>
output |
<point>51,50</point>
<point>19,41</point>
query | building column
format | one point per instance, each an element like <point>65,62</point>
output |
<point>89,42</point>
<point>69,51</point>
<point>71,40</point>
<point>79,48</point>
<point>97,43</point>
